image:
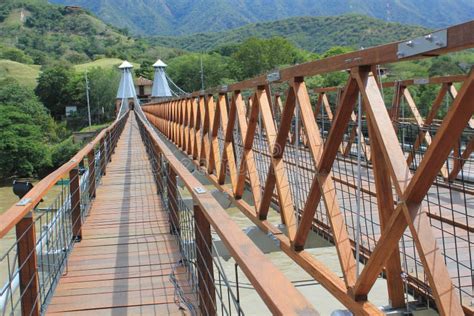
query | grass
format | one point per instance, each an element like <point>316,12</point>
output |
<point>94,128</point>
<point>24,74</point>
<point>27,75</point>
<point>101,63</point>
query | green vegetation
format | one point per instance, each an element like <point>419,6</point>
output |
<point>31,141</point>
<point>316,34</point>
<point>26,129</point>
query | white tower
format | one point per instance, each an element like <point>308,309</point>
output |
<point>126,92</point>
<point>161,88</point>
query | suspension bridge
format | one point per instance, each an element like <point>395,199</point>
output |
<point>143,224</point>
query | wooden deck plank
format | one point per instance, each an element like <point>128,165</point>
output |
<point>124,262</point>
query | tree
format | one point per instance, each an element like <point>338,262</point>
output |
<point>185,70</point>
<point>146,70</point>
<point>24,153</point>
<point>256,56</point>
<point>54,89</point>
<point>12,94</point>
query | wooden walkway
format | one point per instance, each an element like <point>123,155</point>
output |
<point>124,262</point>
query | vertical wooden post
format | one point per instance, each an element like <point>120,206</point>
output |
<point>103,158</point>
<point>75,192</point>
<point>91,161</point>
<point>27,263</point>
<point>173,202</point>
<point>205,268</point>
<point>108,137</point>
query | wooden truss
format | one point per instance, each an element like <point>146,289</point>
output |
<point>199,123</point>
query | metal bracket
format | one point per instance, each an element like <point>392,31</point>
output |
<point>423,44</point>
<point>421,81</point>
<point>24,202</point>
<point>200,190</point>
<point>273,76</point>
<point>274,239</point>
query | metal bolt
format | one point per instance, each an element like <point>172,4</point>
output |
<point>439,43</point>
<point>429,37</point>
<point>410,43</point>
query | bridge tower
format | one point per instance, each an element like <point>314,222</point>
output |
<point>161,88</point>
<point>126,94</point>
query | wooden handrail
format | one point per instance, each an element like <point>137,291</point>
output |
<point>281,297</point>
<point>15,213</point>
<point>405,83</point>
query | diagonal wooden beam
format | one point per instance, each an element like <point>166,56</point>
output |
<point>461,160</point>
<point>228,155</point>
<point>428,120</point>
<point>277,152</point>
<point>189,110</point>
<point>204,109</point>
<point>197,128</point>
<point>408,211</point>
<point>339,125</point>
<point>278,165</point>
<point>214,120</point>
<point>325,187</point>
<point>385,205</point>
<point>421,123</point>
<point>326,159</point>
<point>247,164</point>
<point>376,112</point>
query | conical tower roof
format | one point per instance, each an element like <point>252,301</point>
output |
<point>125,65</point>
<point>160,64</point>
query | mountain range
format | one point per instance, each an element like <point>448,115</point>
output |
<point>178,17</point>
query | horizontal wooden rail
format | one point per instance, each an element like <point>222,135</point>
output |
<point>14,214</point>
<point>405,83</point>
<point>278,293</point>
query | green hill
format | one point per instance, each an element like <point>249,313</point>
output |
<point>101,63</point>
<point>316,34</point>
<point>47,33</point>
<point>26,74</point>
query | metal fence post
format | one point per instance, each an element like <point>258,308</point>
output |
<point>27,265</point>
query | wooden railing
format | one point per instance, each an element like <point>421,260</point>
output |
<point>95,155</point>
<point>213,126</point>
<point>275,289</point>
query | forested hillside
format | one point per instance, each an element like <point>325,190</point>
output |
<point>178,17</point>
<point>316,34</point>
<point>34,31</point>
